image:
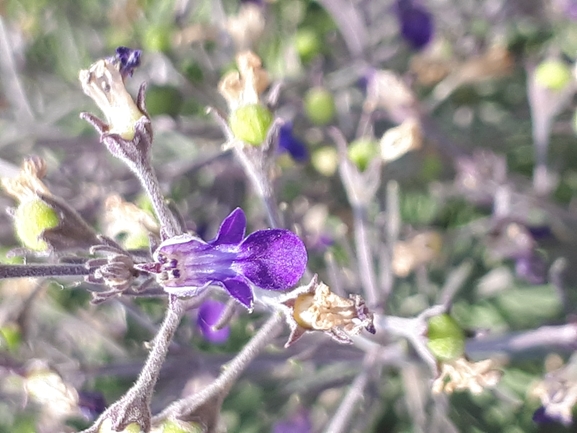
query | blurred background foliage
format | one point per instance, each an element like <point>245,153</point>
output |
<point>187,46</point>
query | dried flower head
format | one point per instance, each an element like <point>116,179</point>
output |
<point>243,87</point>
<point>419,250</point>
<point>558,394</point>
<point>315,308</point>
<point>462,374</point>
<point>28,183</point>
<point>121,216</point>
<point>247,26</point>
<point>387,90</point>
<point>104,83</point>
<point>401,139</point>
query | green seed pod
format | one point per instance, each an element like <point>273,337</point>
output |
<point>553,74</point>
<point>362,151</point>
<point>307,44</point>
<point>31,219</point>
<point>319,106</point>
<point>106,428</point>
<point>10,336</point>
<point>174,426</point>
<point>446,338</point>
<point>250,123</point>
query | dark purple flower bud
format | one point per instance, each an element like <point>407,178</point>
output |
<point>273,259</point>
<point>91,404</point>
<point>287,142</point>
<point>531,268</point>
<point>129,60</point>
<point>299,422</point>
<point>209,314</point>
<point>416,23</point>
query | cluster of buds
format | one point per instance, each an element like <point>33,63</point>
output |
<point>315,308</point>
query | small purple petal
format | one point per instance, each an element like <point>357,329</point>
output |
<point>299,422</point>
<point>91,404</point>
<point>232,229</point>
<point>272,259</point>
<point>531,268</point>
<point>289,143</point>
<point>129,60</point>
<point>416,23</point>
<point>209,314</point>
<point>239,290</point>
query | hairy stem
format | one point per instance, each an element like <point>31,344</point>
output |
<point>41,270</point>
<point>230,373</point>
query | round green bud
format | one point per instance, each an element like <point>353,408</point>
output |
<point>325,160</point>
<point>446,338</point>
<point>319,105</point>
<point>174,426</point>
<point>10,336</point>
<point>362,151</point>
<point>307,44</point>
<point>553,74</point>
<point>163,100</point>
<point>250,123</point>
<point>157,38</point>
<point>107,428</point>
<point>32,217</point>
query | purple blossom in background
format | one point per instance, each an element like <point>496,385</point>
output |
<point>287,142</point>
<point>273,259</point>
<point>209,314</point>
<point>416,23</point>
<point>91,404</point>
<point>531,268</point>
<point>299,422</point>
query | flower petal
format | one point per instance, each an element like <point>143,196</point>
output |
<point>272,259</point>
<point>208,315</point>
<point>232,229</point>
<point>239,290</point>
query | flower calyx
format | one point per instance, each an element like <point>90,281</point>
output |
<point>127,132</point>
<point>315,308</point>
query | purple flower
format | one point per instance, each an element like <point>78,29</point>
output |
<point>289,143</point>
<point>129,60</point>
<point>298,422</point>
<point>531,268</point>
<point>273,259</point>
<point>91,404</point>
<point>416,23</point>
<point>209,314</point>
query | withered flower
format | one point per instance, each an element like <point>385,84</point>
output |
<point>462,374</point>
<point>315,308</point>
<point>104,83</point>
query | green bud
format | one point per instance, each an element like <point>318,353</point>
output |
<point>307,44</point>
<point>553,74</point>
<point>31,219</point>
<point>362,151</point>
<point>250,123</point>
<point>174,426</point>
<point>106,428</point>
<point>446,338</point>
<point>10,336</point>
<point>157,38</point>
<point>325,160</point>
<point>319,105</point>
